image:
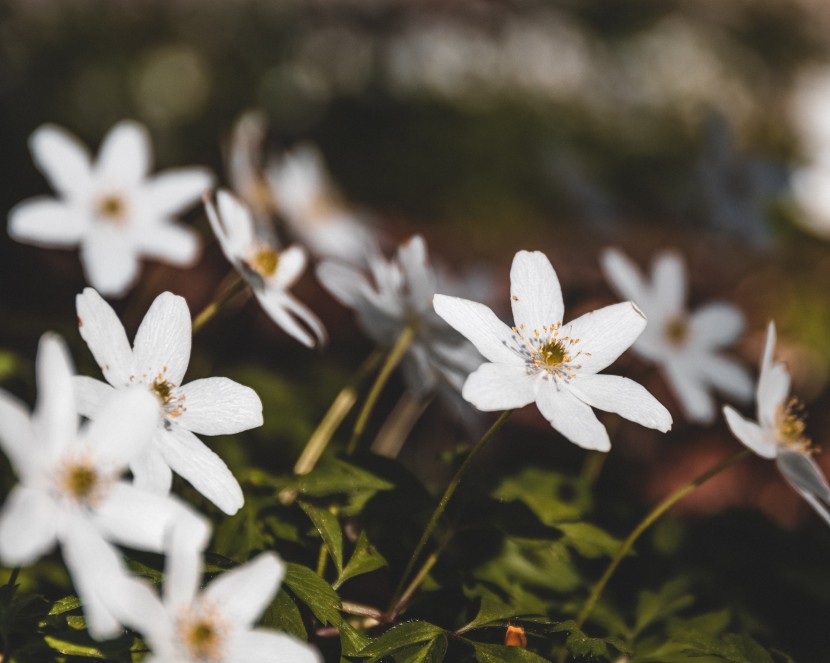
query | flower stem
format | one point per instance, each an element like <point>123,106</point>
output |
<point>445,498</point>
<point>392,360</point>
<point>216,305</point>
<point>644,524</point>
<point>413,586</point>
<point>13,576</point>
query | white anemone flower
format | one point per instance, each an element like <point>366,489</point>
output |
<point>111,209</point>
<point>398,295</point>
<point>313,210</point>
<point>686,345</point>
<point>270,272</point>
<point>554,364</point>
<point>70,490</point>
<point>158,361</point>
<point>779,432</point>
<point>216,624</point>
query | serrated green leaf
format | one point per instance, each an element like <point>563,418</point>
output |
<point>315,592</point>
<point>352,641</point>
<point>333,476</point>
<point>589,540</point>
<point>65,604</point>
<point>711,623</point>
<point>486,653</point>
<point>543,491</point>
<point>364,559</point>
<point>490,610</point>
<point>531,562</point>
<point>328,525</point>
<point>431,652</point>
<point>73,649</point>
<point>239,535</point>
<point>732,647</point>
<point>403,635</point>
<point>284,615</point>
<point>579,644</point>
<point>663,603</point>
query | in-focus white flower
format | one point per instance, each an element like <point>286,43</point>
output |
<point>686,345</point>
<point>70,490</point>
<point>553,364</point>
<point>216,624</point>
<point>314,212</point>
<point>254,252</point>
<point>400,294</point>
<point>779,432</point>
<point>111,209</point>
<point>158,361</point>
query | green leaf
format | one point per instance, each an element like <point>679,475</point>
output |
<point>490,610</point>
<point>73,649</point>
<point>403,635</point>
<point>352,641</point>
<point>653,606</point>
<point>580,644</point>
<point>65,604</point>
<point>364,559</point>
<point>315,592</point>
<point>502,654</point>
<point>333,476</point>
<point>589,540</point>
<point>531,562</point>
<point>432,652</point>
<point>241,534</point>
<point>551,496</point>
<point>284,615</point>
<point>328,526</point>
<point>732,647</point>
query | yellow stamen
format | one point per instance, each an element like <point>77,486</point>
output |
<point>677,330</point>
<point>112,208</point>
<point>203,633</point>
<point>264,262</point>
<point>790,426</point>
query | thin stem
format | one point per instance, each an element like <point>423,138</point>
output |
<point>399,424</point>
<point>216,305</point>
<point>413,586</point>
<point>361,610</point>
<point>13,576</point>
<point>322,558</point>
<point>448,493</point>
<point>392,360</point>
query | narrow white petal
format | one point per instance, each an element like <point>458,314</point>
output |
<point>173,191</point>
<point>491,337</point>
<point>668,279</point>
<point>62,158</point>
<point>716,325</point>
<point>290,267</point>
<point>29,526</point>
<point>773,383</point>
<point>104,334</point>
<point>218,227</point>
<point>202,468</point>
<point>90,395</point>
<point>16,434</point>
<point>110,261</point>
<point>219,406</point>
<point>624,397</point>
<point>727,376</point>
<point>750,434</point>
<point>346,284</point>
<point>151,471</point>
<point>494,387</point>
<point>136,605</point>
<point>572,418</point>
<point>605,333</point>
<point>183,568</point>
<point>689,388</point>
<point>170,242</point>
<point>261,646</point>
<point>237,222</point>
<point>625,278</point>
<point>124,425</point>
<point>46,222</point>
<point>535,293</point>
<point>286,311</point>
<point>55,418</point>
<point>418,275</point>
<point>245,592</point>
<point>803,474</point>
<point>162,343</point>
<point>125,154</point>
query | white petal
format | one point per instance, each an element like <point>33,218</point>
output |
<point>716,325</point>
<point>125,154</point>
<point>535,293</point>
<point>237,222</point>
<point>727,376</point>
<point>668,279</point>
<point>202,468</point>
<point>689,388</point>
<point>136,605</point>
<point>219,406</point>
<point>572,418</point>
<point>28,526</point>
<point>90,395</point>
<point>773,383</point>
<point>183,569</point>
<point>105,336</point>
<point>62,158</point>
<point>625,278</point>
<point>418,275</point>
<point>123,426</point>
<point>173,191</point>
<point>285,311</point>
<point>55,418</point>
<point>494,387</point>
<point>346,284</point>
<point>624,397</point>
<point>261,646</point>
<point>605,333</point>
<point>170,242</point>
<point>110,261</point>
<point>245,592</point>
<point>151,471</point>
<point>46,222</point>
<point>162,343</point>
<point>290,267</point>
<point>750,434</point>
<point>803,474</point>
<point>491,337</point>
<point>16,434</point>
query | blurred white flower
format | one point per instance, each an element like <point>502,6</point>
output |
<point>314,212</point>
<point>400,294</point>
<point>779,432</point>
<point>269,271</point>
<point>158,361</point>
<point>244,164</point>
<point>555,365</point>
<point>216,624</point>
<point>70,491</point>
<point>111,209</point>
<point>686,345</point>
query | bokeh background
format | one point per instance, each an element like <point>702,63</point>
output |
<point>563,126</point>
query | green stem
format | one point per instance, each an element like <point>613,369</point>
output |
<point>13,576</point>
<point>593,466</point>
<point>445,498</point>
<point>413,586</point>
<point>392,360</point>
<point>644,524</point>
<point>216,305</point>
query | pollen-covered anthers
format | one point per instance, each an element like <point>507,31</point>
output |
<point>171,402</point>
<point>263,259</point>
<point>676,330</point>
<point>789,424</point>
<point>546,350</point>
<point>203,633</point>
<point>80,481</point>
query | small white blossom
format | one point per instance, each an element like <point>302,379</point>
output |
<point>779,432</point>
<point>553,364</point>
<point>158,361</point>
<point>270,272</point>
<point>400,294</point>
<point>111,209</point>
<point>686,345</point>
<point>70,490</point>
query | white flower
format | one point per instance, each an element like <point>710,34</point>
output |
<point>270,272</point>
<point>555,365</point>
<point>400,294</point>
<point>70,491</point>
<point>216,624</point>
<point>111,209</point>
<point>315,214</point>
<point>686,345</point>
<point>245,168</point>
<point>779,432</point>
<point>158,361</point>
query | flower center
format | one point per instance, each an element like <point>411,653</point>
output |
<point>552,354</point>
<point>676,330</point>
<point>81,482</point>
<point>789,426</point>
<point>112,208</point>
<point>203,634</point>
<point>164,390</point>
<point>264,262</point>
<point>549,352</point>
